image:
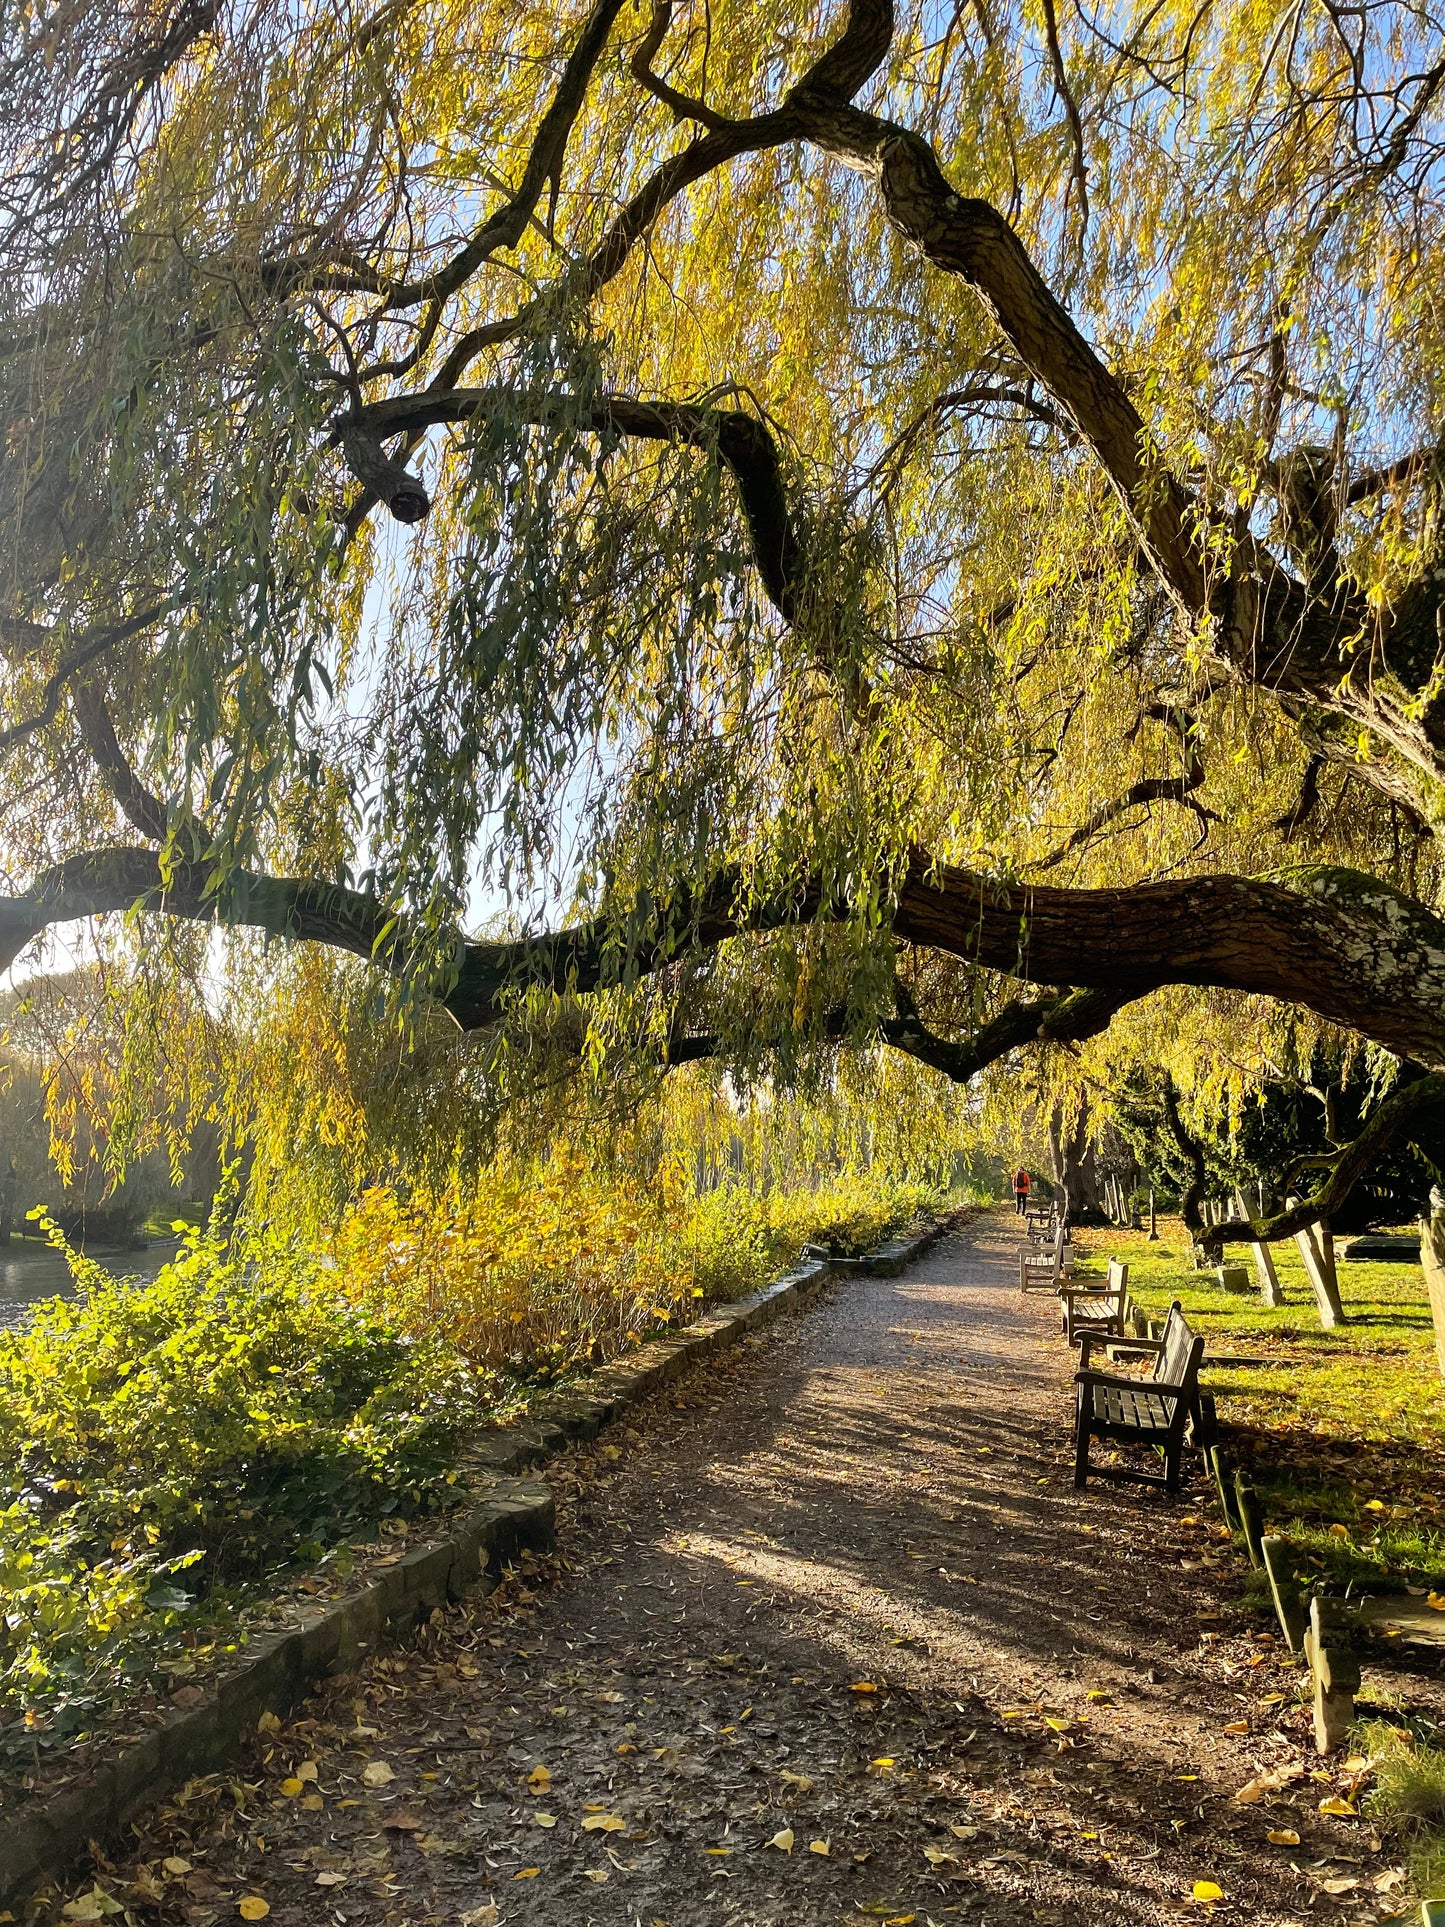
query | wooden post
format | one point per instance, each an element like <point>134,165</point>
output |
<point>1246,1506</point>
<point>1334,1669</point>
<point>1153,1219</point>
<point>1289,1608</point>
<point>1432,1258</point>
<point>1219,1466</point>
<point>1269,1286</point>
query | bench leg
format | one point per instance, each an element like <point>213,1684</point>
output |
<point>1172,1455</point>
<point>1081,1452</point>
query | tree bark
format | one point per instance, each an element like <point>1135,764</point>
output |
<point>1348,947</point>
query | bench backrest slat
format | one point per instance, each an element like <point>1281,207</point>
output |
<point>1177,1360</point>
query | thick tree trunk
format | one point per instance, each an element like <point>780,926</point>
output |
<point>1075,1167</point>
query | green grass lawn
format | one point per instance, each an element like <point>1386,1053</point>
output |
<point>1343,1431</point>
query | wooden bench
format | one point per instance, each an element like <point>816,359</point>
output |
<point>1098,1305</point>
<point>1152,1409</point>
<point>1041,1270</point>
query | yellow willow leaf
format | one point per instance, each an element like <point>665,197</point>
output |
<point>1207,1890</point>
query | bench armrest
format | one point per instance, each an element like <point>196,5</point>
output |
<point>1124,1383</point>
<point>1099,1288</point>
<point>1089,1336</point>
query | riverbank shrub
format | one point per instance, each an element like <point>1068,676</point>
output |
<point>541,1272</point>
<point>171,1448</point>
<point>163,1445</point>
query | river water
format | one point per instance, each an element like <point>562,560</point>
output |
<point>31,1272</point>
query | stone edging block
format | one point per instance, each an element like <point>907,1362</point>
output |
<point>279,1669</point>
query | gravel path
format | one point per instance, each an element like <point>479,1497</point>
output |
<point>829,1637</point>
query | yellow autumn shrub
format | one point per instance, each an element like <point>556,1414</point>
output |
<point>536,1270</point>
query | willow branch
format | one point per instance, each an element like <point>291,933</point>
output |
<point>683,106</point>
<point>1347,947</point>
<point>1397,1119</point>
<point>505,226</point>
<point>742,443</point>
<point>141,808</point>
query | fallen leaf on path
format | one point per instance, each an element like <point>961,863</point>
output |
<point>596,1875</point>
<point>964,1833</point>
<point>402,1822</point>
<point>253,1907</point>
<point>1342,1808</point>
<point>377,1773</point>
<point>292,1787</point>
<point>331,1880</point>
<point>603,1823</point>
<point>1357,1763</point>
<point>1383,1882</point>
<point>798,1780</point>
<point>1237,1726</point>
<point>1208,1890</point>
<point>268,1723</point>
<point>783,1840</point>
<point>862,1686</point>
<point>487,1916</point>
<point>940,1857</point>
<point>1344,1884</point>
<point>526,1873</point>
<point>540,1779</point>
<point>545,1819</point>
<point>1437,1600</point>
<point>173,1864</point>
<point>1253,1791</point>
<point>1283,1837</point>
<point>96,1905</point>
<point>819,1846</point>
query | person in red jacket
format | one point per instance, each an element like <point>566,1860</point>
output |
<point>1021,1190</point>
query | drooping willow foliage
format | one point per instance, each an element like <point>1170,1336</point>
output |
<point>730,537</point>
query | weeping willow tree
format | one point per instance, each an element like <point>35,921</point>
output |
<point>807,517</point>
